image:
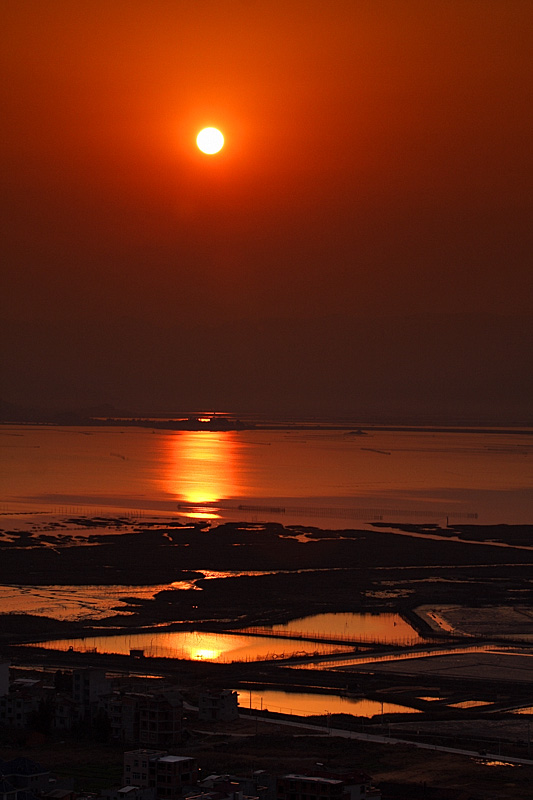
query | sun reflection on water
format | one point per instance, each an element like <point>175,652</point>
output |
<point>202,469</point>
<point>193,645</point>
<point>208,655</point>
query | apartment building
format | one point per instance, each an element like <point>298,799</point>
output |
<point>218,706</point>
<point>168,774</point>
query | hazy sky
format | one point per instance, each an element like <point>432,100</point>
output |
<point>378,159</point>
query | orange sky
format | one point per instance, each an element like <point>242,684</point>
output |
<point>378,158</point>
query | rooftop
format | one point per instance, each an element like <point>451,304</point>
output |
<point>176,758</point>
<point>315,778</point>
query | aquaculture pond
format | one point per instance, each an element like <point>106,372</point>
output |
<point>299,638</point>
<point>307,704</point>
<point>385,628</point>
<point>197,645</point>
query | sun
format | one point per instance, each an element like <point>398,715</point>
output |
<point>210,141</point>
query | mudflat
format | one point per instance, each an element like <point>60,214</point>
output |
<point>258,573</point>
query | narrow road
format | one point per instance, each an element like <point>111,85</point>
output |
<point>369,737</point>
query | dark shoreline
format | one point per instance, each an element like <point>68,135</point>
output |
<point>221,424</point>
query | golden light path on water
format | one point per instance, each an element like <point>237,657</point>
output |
<point>202,469</point>
<point>424,474</point>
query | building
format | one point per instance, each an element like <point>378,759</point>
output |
<point>7,790</point>
<point>139,769</point>
<point>231,787</point>
<point>4,678</point>
<point>123,714</point>
<point>168,774</point>
<point>152,719</point>
<point>25,775</point>
<point>160,719</point>
<point>326,785</point>
<point>17,706</point>
<point>66,712</point>
<point>173,775</point>
<point>218,706</point>
<point>128,793</point>
<point>61,794</point>
<point>89,687</point>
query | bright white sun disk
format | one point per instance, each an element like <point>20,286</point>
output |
<point>210,140</point>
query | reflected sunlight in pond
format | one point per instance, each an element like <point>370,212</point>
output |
<point>195,645</point>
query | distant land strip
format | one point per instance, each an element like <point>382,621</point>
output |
<point>224,424</point>
<point>348,513</point>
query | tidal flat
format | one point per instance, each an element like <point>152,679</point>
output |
<point>162,574</point>
<point>162,571</point>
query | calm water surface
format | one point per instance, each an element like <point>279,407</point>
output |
<point>77,603</point>
<point>307,705</point>
<point>387,628</point>
<point>74,603</point>
<point>316,477</point>
<point>196,645</point>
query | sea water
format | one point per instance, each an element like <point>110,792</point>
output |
<point>322,477</point>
